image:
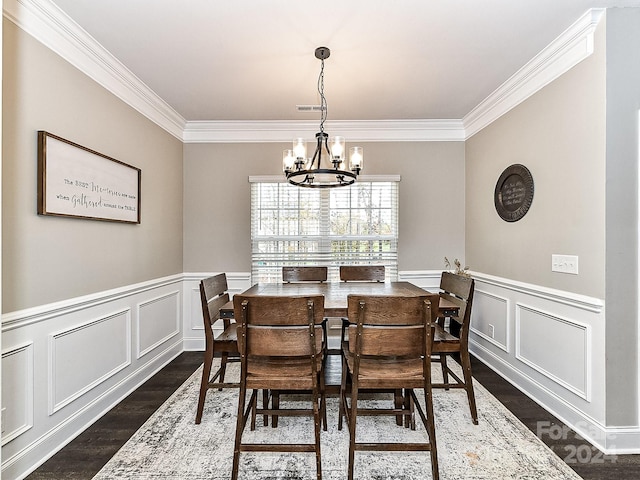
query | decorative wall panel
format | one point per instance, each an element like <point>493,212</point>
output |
<point>559,348</point>
<point>17,391</point>
<point>86,355</point>
<point>158,321</point>
<point>490,318</point>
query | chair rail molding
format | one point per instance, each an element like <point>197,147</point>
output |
<point>427,279</point>
<point>591,304</point>
<point>28,316</point>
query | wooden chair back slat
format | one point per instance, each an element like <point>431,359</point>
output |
<point>304,274</point>
<point>282,341</point>
<point>213,295</point>
<point>386,310</point>
<point>459,290</point>
<point>214,286</point>
<point>278,310</point>
<point>382,325</point>
<point>362,273</point>
<point>215,304</point>
<point>407,341</point>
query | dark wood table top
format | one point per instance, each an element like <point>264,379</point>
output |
<point>335,294</point>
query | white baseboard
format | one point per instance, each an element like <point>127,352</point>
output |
<point>193,344</point>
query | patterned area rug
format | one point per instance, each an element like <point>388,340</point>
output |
<point>171,446</point>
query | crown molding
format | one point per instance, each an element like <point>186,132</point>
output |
<point>44,21</point>
<point>566,51</point>
<point>356,131</point>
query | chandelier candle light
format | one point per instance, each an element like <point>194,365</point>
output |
<point>309,172</point>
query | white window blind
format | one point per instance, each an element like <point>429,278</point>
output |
<point>356,225</point>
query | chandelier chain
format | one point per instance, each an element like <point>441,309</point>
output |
<point>323,100</point>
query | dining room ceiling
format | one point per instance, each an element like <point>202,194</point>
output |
<point>221,60</point>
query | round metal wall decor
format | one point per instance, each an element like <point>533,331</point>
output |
<point>514,193</point>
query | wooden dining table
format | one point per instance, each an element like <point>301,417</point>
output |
<point>336,293</point>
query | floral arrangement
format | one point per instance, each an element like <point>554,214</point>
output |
<point>458,267</point>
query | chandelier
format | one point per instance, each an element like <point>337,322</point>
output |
<point>309,172</point>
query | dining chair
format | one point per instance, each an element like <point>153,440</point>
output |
<point>454,341</point>
<point>304,274</point>
<point>280,344</point>
<point>213,295</point>
<point>389,348</point>
<point>362,273</point>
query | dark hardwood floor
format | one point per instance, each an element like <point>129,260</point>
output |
<point>84,456</point>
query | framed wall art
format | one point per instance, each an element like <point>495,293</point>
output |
<point>75,181</point>
<point>513,193</point>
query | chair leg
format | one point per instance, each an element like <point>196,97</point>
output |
<point>352,427</point>
<point>398,402</point>
<point>343,392</point>
<point>465,360</point>
<point>275,405</point>
<point>240,424</point>
<point>223,367</point>
<point>317,421</point>
<point>431,426</point>
<point>254,408</point>
<point>409,406</point>
<point>445,373</point>
<point>323,401</point>
<point>204,384</point>
<point>265,404</point>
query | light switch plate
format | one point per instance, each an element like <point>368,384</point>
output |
<point>564,264</point>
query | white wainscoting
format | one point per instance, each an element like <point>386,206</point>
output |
<point>66,364</point>
<point>193,326</point>
<point>550,344</point>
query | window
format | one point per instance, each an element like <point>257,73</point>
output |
<point>356,225</point>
